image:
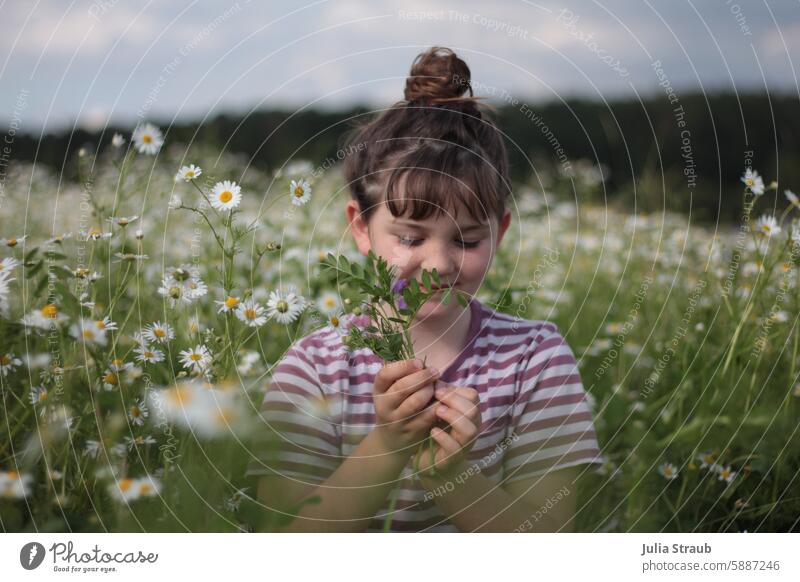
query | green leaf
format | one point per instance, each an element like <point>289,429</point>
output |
<point>436,278</point>
<point>446,297</point>
<point>426,280</point>
<point>462,299</point>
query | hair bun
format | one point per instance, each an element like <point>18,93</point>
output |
<point>439,76</point>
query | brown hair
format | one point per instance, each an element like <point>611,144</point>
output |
<point>438,142</point>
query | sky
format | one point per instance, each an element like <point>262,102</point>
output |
<point>85,64</point>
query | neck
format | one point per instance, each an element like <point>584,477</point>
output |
<point>439,336</point>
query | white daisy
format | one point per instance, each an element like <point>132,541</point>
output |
<point>159,332</point>
<point>228,305</point>
<point>725,473</point>
<point>149,355</point>
<point>668,471</point>
<point>88,332</point>
<point>175,202</point>
<point>139,441</point>
<point>249,358</point>
<point>7,264</point>
<point>148,139</point>
<point>753,181</point>
<point>284,308</point>
<point>38,395</point>
<point>706,460</point>
<point>123,221</point>
<point>138,412</point>
<point>197,359</point>
<point>105,324</point>
<point>148,486</point>
<point>300,192</point>
<point>251,313</point>
<point>124,490</point>
<point>130,257</point>
<point>233,502</point>
<point>188,173</point>
<point>338,323</point>
<point>92,448</point>
<point>329,303</point>
<point>117,141</point>
<point>226,195</point>
<point>96,234</point>
<point>13,241</point>
<point>766,225</point>
<point>8,363</point>
<point>110,379</point>
<point>14,485</point>
<point>58,239</point>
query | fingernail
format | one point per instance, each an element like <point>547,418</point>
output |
<point>440,392</point>
<point>434,371</point>
<point>417,364</point>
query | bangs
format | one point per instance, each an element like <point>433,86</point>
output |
<point>439,178</point>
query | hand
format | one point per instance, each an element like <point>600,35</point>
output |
<point>402,392</point>
<point>459,408</point>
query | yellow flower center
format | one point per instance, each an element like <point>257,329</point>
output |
<point>179,395</point>
<point>145,489</point>
<point>49,310</point>
<point>5,360</point>
<point>231,302</point>
<point>250,313</point>
<point>12,242</point>
<point>158,332</point>
<point>282,306</point>
<point>189,174</point>
<point>335,321</point>
<point>87,333</point>
<point>122,221</point>
<point>147,138</point>
<point>226,196</point>
<point>149,354</point>
<point>196,357</point>
<point>111,378</point>
<point>100,324</point>
<point>136,412</point>
<point>125,484</point>
<point>298,192</point>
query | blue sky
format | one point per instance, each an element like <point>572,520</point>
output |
<point>81,63</point>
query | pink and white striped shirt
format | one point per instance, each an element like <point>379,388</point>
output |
<point>534,413</point>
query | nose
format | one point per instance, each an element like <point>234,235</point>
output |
<point>440,257</point>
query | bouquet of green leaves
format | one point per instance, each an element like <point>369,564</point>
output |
<point>392,305</point>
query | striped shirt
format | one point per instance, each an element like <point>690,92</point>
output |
<point>534,413</point>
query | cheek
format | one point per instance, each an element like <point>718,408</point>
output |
<point>476,263</point>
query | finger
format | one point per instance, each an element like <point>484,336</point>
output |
<point>449,445</point>
<point>407,385</point>
<point>460,403</point>
<point>393,371</point>
<point>415,403</point>
<point>469,393</point>
<point>464,430</point>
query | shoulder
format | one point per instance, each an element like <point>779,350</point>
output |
<point>535,335</point>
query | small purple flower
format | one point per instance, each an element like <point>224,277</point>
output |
<point>399,285</point>
<point>401,303</point>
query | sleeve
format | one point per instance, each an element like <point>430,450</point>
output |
<point>296,437</point>
<point>551,422</point>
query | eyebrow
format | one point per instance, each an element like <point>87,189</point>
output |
<point>416,225</point>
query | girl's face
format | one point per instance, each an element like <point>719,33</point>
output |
<point>460,249</point>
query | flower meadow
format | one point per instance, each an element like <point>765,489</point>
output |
<point>146,294</point>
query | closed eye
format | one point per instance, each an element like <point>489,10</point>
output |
<point>413,242</point>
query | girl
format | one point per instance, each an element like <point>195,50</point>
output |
<point>430,187</point>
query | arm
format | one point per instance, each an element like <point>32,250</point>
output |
<point>356,490</point>
<point>538,504</point>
